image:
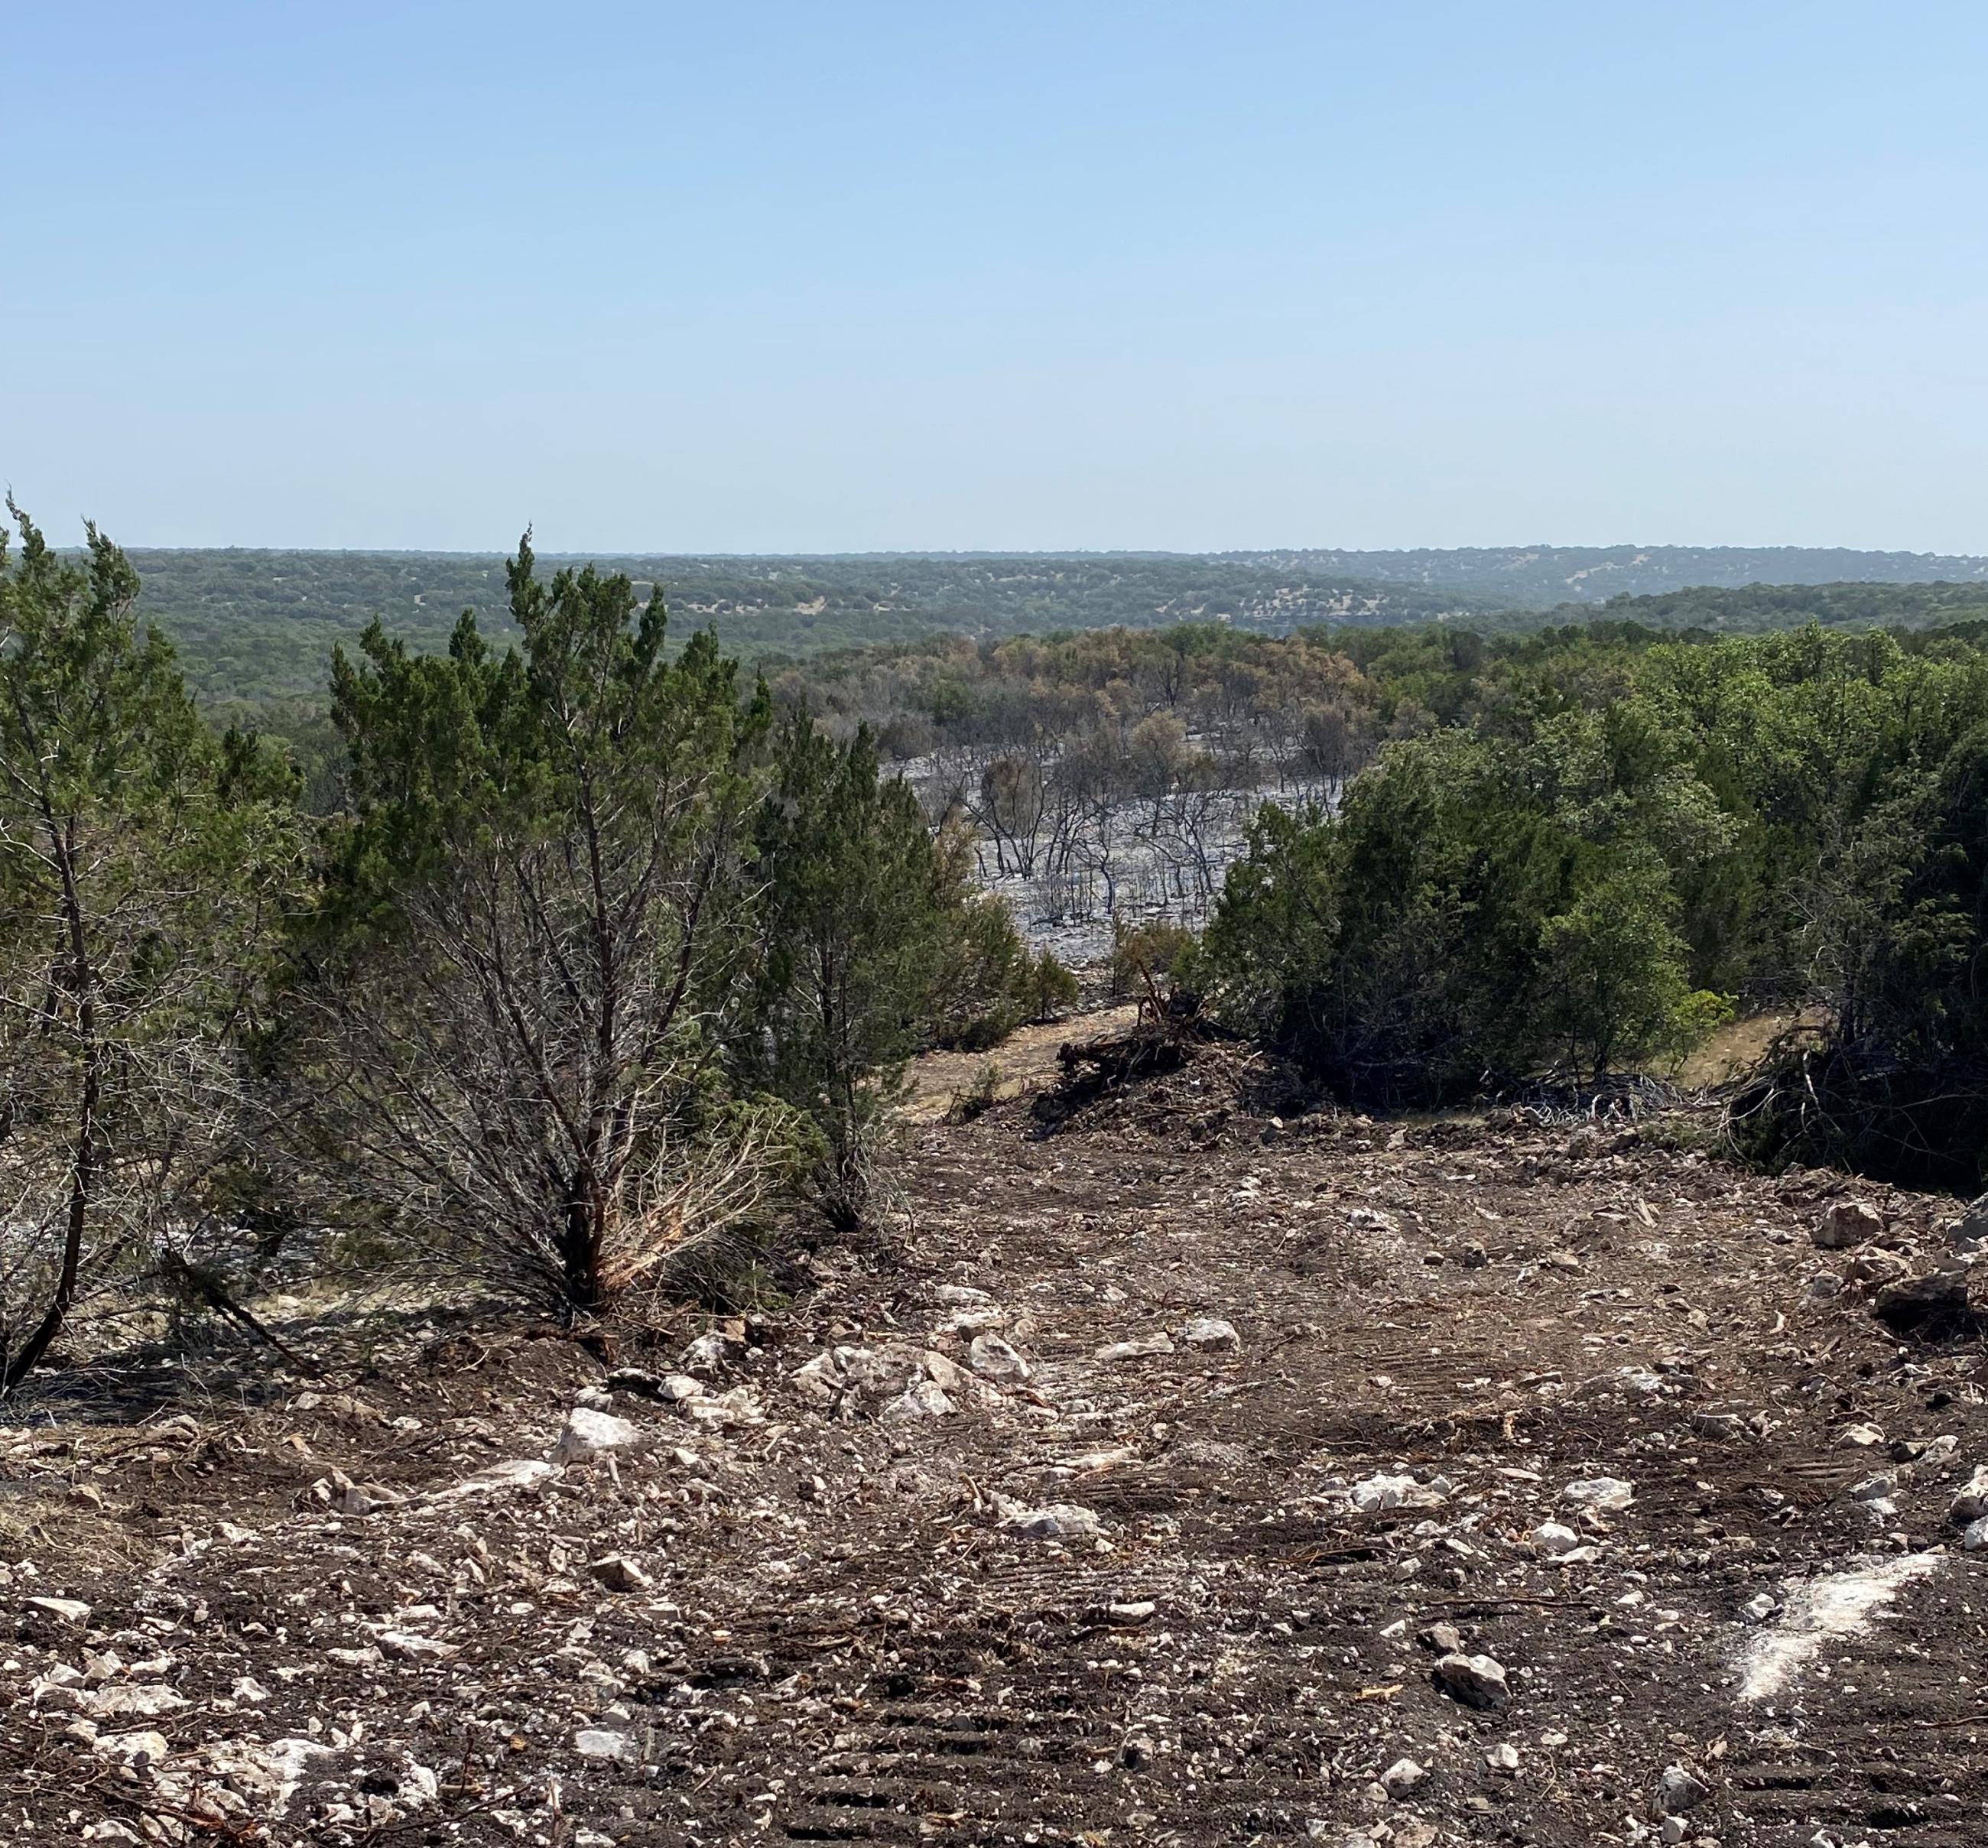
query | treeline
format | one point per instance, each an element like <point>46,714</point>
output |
<point>1542,577</point>
<point>598,956</point>
<point>1757,607</point>
<point>553,953</point>
<point>259,627</point>
<point>254,630</point>
<point>1614,839</point>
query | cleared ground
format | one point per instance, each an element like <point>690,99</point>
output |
<point>821,1608</point>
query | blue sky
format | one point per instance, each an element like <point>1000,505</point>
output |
<point>770,277</point>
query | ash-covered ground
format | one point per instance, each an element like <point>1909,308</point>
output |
<point>1182,1473</point>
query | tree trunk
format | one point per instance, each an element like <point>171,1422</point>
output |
<point>82,1162</point>
<point>580,1246</point>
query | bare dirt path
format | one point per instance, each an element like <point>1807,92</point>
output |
<point>1023,1063</point>
<point>851,1575</point>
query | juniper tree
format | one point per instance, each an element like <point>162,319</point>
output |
<point>540,914</point>
<point>144,869</point>
<point>858,916</point>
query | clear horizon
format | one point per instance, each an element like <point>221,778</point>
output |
<point>791,280</point>
<point>972,552</point>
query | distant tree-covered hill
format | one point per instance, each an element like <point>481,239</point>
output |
<point>1752,608</point>
<point>259,626</point>
<point>1537,577</point>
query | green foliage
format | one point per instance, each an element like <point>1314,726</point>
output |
<point>1154,949</point>
<point>598,960</point>
<point>978,1098</point>
<point>260,628</point>
<point>1611,982</point>
<point>987,983</point>
<point>539,918</point>
<point>145,867</point>
<point>855,928</point>
<point>1896,929</point>
<point>1752,608</point>
<point>1475,913</point>
<point>1053,988</point>
<point>1617,831</point>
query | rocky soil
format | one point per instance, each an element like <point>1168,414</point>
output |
<point>1186,1473</point>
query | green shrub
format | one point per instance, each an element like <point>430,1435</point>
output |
<point>1052,987</point>
<point>1138,951</point>
<point>1455,925</point>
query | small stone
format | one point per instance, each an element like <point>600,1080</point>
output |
<point>1130,1614</point>
<point>1971,1505</point>
<point>1401,1777</point>
<point>1974,1537</point>
<point>727,1411</point>
<point>1678,1791</point>
<point>1874,1267</point>
<point>406,1646</point>
<point>1472,1680</point>
<point>138,1749</point>
<point>635,1380</point>
<point>1928,1308</point>
<point>1672,1830</point>
<point>1759,1608</point>
<point>1848,1223</point>
<point>1971,1233</point>
<point>1503,1759</point>
<point>1608,1495</point>
<point>1206,1334</point>
<point>1443,1638</point>
<point>619,1573</point>
<point>587,1433</point>
<point>148,1700</point>
<point>1378,1494</point>
<point>921,1399</point>
<point>1059,1521</point>
<point>839,1369</point>
<point>1553,1539</point>
<point>1859,1437</point>
<point>1136,1753</point>
<point>68,1610</point>
<point>710,1354</point>
<point>993,1359</point>
<point>1875,1488</point>
<point>1824,1285</point>
<point>675,1389</point>
<point>595,1743</point>
<point>1137,1349</point>
<point>1721,1427</point>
